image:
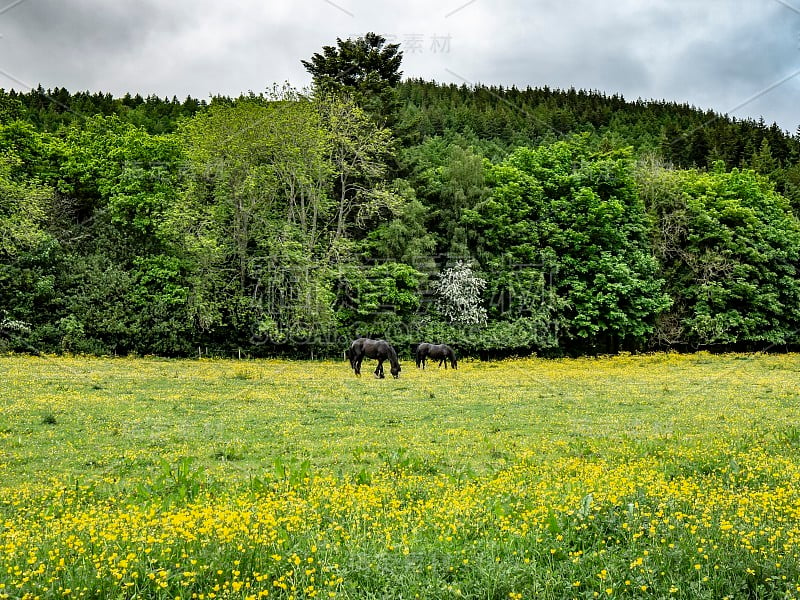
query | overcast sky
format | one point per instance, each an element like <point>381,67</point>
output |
<point>733,56</point>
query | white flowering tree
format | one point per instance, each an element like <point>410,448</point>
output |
<point>13,331</point>
<point>458,295</point>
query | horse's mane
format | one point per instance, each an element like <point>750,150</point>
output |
<point>392,354</point>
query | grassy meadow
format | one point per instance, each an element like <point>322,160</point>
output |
<point>659,476</point>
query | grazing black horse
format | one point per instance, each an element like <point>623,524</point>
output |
<point>420,353</point>
<point>377,349</point>
<point>440,352</point>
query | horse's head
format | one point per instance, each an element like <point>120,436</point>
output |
<point>395,371</point>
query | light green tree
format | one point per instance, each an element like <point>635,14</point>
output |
<point>23,211</point>
<point>274,191</point>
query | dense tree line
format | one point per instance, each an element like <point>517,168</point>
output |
<point>500,220</point>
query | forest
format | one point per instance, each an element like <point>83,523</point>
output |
<point>502,221</point>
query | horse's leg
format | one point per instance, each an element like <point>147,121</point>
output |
<point>357,365</point>
<point>379,369</point>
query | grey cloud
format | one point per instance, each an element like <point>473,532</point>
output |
<point>77,44</point>
<point>738,61</point>
<point>714,53</point>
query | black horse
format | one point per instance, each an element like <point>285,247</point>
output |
<point>420,353</point>
<point>440,352</point>
<point>380,350</point>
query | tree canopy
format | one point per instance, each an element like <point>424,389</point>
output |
<point>365,68</point>
<point>498,220</point>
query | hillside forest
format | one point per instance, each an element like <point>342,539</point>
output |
<point>500,220</point>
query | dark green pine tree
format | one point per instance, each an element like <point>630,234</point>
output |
<point>698,148</point>
<point>366,68</point>
<point>675,146</point>
<point>763,161</point>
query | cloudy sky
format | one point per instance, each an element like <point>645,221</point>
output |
<point>740,57</point>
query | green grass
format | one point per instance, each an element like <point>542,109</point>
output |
<point>93,418</point>
<point>541,478</point>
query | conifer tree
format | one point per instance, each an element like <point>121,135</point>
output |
<point>365,68</point>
